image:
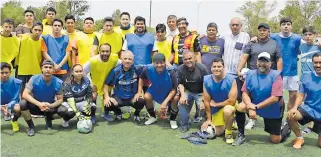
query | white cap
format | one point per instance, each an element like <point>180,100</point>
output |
<point>264,55</point>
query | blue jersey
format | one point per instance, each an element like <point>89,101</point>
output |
<point>10,92</point>
<point>310,85</point>
<point>307,52</point>
<point>290,50</point>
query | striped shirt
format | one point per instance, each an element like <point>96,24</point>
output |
<point>234,44</point>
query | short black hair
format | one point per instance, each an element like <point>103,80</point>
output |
<point>8,21</point>
<point>37,24</point>
<point>52,10</point>
<point>171,17</point>
<point>285,19</point>
<point>212,24</point>
<point>218,59</point>
<point>109,19</point>
<point>69,16</point>
<point>182,19</point>
<point>28,11</point>
<point>318,54</point>
<point>56,19</point>
<point>309,29</point>
<point>124,13</point>
<point>104,44</point>
<point>160,27</point>
<point>139,18</point>
<point>5,65</point>
<point>89,18</point>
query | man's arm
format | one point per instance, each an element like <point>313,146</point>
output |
<point>279,62</point>
<point>242,63</point>
<point>27,93</point>
<point>276,93</point>
<point>246,98</point>
<point>15,99</point>
<point>172,93</point>
<point>231,97</point>
<point>86,68</point>
<point>197,50</point>
<point>94,47</point>
<point>65,59</point>
<point>207,100</point>
<point>58,102</point>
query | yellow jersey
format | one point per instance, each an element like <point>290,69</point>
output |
<point>165,47</point>
<point>124,32</point>
<point>83,44</point>
<point>9,48</point>
<point>114,39</point>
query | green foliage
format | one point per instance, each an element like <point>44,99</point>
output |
<point>12,9</point>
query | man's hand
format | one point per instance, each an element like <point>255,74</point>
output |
<point>4,109</point>
<point>57,67</point>
<point>163,110</point>
<point>250,106</point>
<point>319,44</point>
<point>292,113</point>
<point>109,101</point>
<point>213,103</point>
<point>136,97</point>
<point>206,124</point>
<point>183,99</point>
<point>252,114</point>
<point>44,106</point>
<point>254,39</point>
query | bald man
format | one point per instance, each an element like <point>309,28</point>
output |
<point>127,87</point>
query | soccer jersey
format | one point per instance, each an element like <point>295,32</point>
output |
<point>310,85</point>
<point>124,32</point>
<point>9,48</point>
<point>30,55</point>
<point>115,40</point>
<point>164,47</point>
<point>79,92</point>
<point>211,50</point>
<point>83,44</point>
<point>307,52</point>
<point>10,92</point>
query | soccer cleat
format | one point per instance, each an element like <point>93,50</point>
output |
<point>151,120</point>
<point>307,130</point>
<point>183,129</point>
<point>93,119</point>
<point>31,131</point>
<point>15,126</point>
<point>229,138</point>
<point>108,117</point>
<point>137,119</point>
<point>173,124</point>
<point>126,115</point>
<point>65,124</point>
<point>250,125</point>
<point>240,140</point>
<point>234,126</point>
<point>298,143</point>
<point>118,117</point>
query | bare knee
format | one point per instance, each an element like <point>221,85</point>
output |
<point>16,108</point>
<point>241,107</point>
<point>219,130</point>
<point>275,139</point>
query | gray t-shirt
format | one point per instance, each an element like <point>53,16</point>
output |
<point>192,80</point>
<point>254,49</point>
<point>22,30</point>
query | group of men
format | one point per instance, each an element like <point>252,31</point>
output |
<point>176,70</point>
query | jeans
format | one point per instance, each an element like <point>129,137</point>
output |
<point>185,109</point>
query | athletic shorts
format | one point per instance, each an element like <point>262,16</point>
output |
<point>291,83</point>
<point>35,110</point>
<point>218,117</point>
<point>273,126</point>
<point>80,106</point>
<point>306,118</point>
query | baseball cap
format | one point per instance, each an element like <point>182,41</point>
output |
<point>264,55</point>
<point>158,57</point>
<point>47,62</point>
<point>264,25</point>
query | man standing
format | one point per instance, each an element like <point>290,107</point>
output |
<point>262,93</point>
<point>171,23</point>
<point>220,92</point>
<point>48,21</point>
<point>211,46</point>
<point>72,33</point>
<point>310,111</point>
<point>26,27</point>
<point>125,27</point>
<point>184,40</point>
<point>10,96</point>
<point>190,79</point>
<point>128,88</point>
<point>163,44</point>
<point>42,96</point>
<point>250,56</point>
<point>59,49</point>
<point>162,89</point>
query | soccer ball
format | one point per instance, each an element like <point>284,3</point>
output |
<point>209,132</point>
<point>84,125</point>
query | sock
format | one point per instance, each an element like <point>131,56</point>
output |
<point>136,113</point>
<point>173,115</point>
<point>228,132</point>
<point>15,117</point>
<point>30,123</point>
<point>240,120</point>
<point>151,112</point>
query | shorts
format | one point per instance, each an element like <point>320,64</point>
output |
<point>124,102</point>
<point>80,106</point>
<point>218,117</point>
<point>291,83</point>
<point>273,126</point>
<point>306,118</point>
<point>35,110</point>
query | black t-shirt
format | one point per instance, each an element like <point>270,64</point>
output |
<point>192,80</point>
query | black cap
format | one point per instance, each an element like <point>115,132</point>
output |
<point>47,62</point>
<point>158,57</point>
<point>264,25</point>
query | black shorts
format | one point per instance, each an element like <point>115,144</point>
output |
<point>35,110</point>
<point>123,102</point>
<point>272,126</point>
<point>306,118</point>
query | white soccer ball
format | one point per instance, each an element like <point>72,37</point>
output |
<point>209,132</point>
<point>84,126</point>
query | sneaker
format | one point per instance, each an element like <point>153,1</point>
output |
<point>31,131</point>
<point>118,117</point>
<point>151,120</point>
<point>173,124</point>
<point>126,115</point>
<point>250,125</point>
<point>136,119</point>
<point>15,126</point>
<point>229,139</point>
<point>234,126</point>
<point>7,117</point>
<point>298,143</point>
<point>65,124</point>
<point>285,132</point>
<point>240,140</point>
<point>93,119</point>
<point>37,116</point>
<point>183,129</point>
<point>197,119</point>
<point>307,130</point>
<point>108,117</point>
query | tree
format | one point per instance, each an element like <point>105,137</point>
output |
<point>302,13</point>
<point>255,13</point>
<point>12,9</point>
<point>116,17</point>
